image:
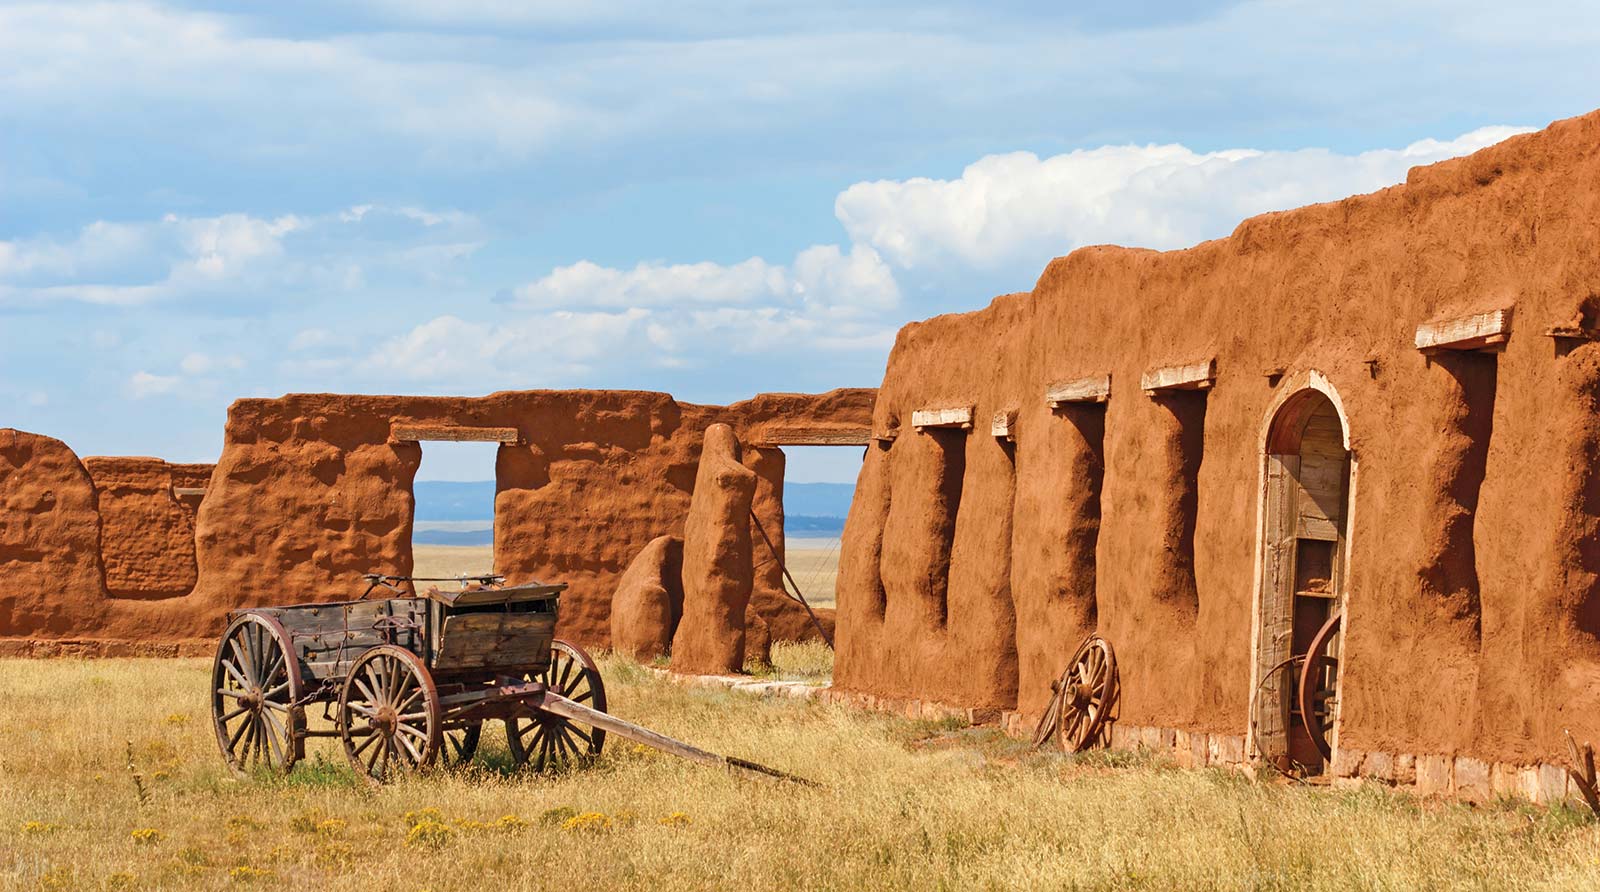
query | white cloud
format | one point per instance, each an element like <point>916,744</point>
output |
<point>821,276</point>
<point>143,384</point>
<point>203,364</point>
<point>232,256</point>
<point>1015,211</point>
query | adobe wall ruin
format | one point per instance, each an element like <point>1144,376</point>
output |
<point>312,490</point>
<point>973,564</point>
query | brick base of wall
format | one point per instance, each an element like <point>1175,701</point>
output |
<point>1463,777</point>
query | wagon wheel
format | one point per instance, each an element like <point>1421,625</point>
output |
<point>255,684</point>
<point>544,738</point>
<point>1086,693</point>
<point>1318,691</point>
<point>459,744</point>
<point>389,715</point>
<point>1046,728</point>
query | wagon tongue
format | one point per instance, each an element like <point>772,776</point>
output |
<point>559,705</point>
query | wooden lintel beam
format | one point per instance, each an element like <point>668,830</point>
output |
<point>1478,331</point>
<point>812,436</point>
<point>1004,425</point>
<point>452,433</point>
<point>1083,390</point>
<point>1193,376</point>
<point>959,417</point>
<point>188,491</point>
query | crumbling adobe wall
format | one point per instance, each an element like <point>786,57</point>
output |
<point>53,584</point>
<point>1473,623</point>
<point>313,490</point>
<point>146,530</point>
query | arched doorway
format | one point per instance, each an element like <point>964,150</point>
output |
<point>1305,534</point>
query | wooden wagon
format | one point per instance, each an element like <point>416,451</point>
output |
<point>409,681</point>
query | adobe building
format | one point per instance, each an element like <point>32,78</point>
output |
<point>123,555</point>
<point>1385,408</point>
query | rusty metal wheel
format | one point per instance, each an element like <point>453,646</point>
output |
<point>1085,696</point>
<point>389,713</point>
<point>255,691</point>
<point>460,744</point>
<point>545,739</point>
<point>1318,692</point>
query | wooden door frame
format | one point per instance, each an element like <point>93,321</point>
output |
<point>1291,389</point>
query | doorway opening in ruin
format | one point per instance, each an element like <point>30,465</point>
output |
<point>452,532</point>
<point>1302,595</point>
<point>817,484</point>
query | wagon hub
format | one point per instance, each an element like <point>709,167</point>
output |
<point>1079,695</point>
<point>387,719</point>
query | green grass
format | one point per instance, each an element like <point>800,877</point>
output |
<point>906,805</point>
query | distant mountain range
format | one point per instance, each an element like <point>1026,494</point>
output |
<point>811,509</point>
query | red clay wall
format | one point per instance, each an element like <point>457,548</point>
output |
<point>146,530</point>
<point>49,539</point>
<point>312,490</point>
<point>1473,622</point>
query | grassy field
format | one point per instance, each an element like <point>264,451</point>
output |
<point>110,779</point>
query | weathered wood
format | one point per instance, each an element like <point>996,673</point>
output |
<point>887,435</point>
<point>812,436</point>
<point>1277,607</point>
<point>1193,376</point>
<point>1004,425</point>
<point>509,641</point>
<point>1582,772</point>
<point>956,417</point>
<point>558,705</point>
<point>1572,333</point>
<point>1095,389</point>
<point>452,433</point>
<point>184,492</point>
<point>1474,332</point>
<point>510,594</point>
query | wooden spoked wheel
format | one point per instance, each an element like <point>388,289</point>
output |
<point>1085,695</point>
<point>1319,686</point>
<point>459,744</point>
<point>255,691</point>
<point>544,739</point>
<point>389,714</point>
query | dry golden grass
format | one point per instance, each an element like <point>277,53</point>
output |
<point>452,560</point>
<point>907,805</point>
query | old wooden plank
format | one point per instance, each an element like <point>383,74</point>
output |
<point>812,436</point>
<point>1004,424</point>
<point>1277,598</point>
<point>188,492</point>
<point>1474,332</point>
<point>954,417</point>
<point>452,433</point>
<point>485,640</point>
<point>1094,389</point>
<point>1191,376</point>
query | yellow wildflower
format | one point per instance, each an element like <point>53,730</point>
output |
<point>428,834</point>
<point>432,815</point>
<point>677,819</point>
<point>148,836</point>
<point>588,822</point>
<point>509,823</point>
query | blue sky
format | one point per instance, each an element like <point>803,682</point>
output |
<point>708,198</point>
